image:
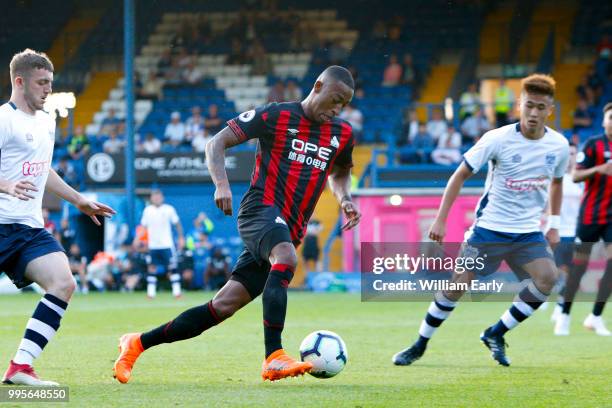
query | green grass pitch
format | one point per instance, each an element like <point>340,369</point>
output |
<point>222,367</point>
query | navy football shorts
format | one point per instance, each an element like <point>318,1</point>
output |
<point>20,244</point>
<point>517,249</point>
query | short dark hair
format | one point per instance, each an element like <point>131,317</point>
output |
<point>341,74</point>
<point>26,61</point>
<point>607,107</point>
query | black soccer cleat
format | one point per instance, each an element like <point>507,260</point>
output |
<point>497,345</point>
<point>408,356</point>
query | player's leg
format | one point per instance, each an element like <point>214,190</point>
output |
<point>439,310</point>
<point>175,276</point>
<point>564,255</point>
<point>52,272</point>
<point>594,321</point>
<point>544,274</point>
<point>283,260</point>
<point>247,282</point>
<point>152,266</point>
<point>587,235</point>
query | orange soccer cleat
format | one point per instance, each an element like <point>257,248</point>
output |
<point>130,348</point>
<point>279,365</point>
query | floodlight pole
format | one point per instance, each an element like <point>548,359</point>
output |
<point>130,176</point>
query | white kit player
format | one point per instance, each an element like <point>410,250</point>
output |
<point>526,160</point>
<point>158,218</point>
<point>28,253</point>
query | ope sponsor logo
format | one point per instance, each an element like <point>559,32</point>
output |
<point>532,184</point>
<point>303,147</point>
<point>35,169</point>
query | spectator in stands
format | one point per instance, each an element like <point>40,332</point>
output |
<point>192,74</point>
<point>277,92</point>
<point>392,74</point>
<point>410,127</point>
<point>79,144</point>
<point>179,41</point>
<point>356,78</point>
<point>469,102</point>
<point>203,223</point>
<point>595,83</point>
<point>293,93</point>
<point>262,63</point>
<point>583,116</point>
<point>217,269</point>
<point>449,148</point>
<point>65,170</point>
<point>503,103</point>
<point>113,144</point>
<point>78,266</point>
<point>337,53</point>
<point>194,126</point>
<point>48,223</point>
<point>164,63</point>
<point>174,74</point>
<point>99,271</point>
<point>199,141</point>
<point>410,75</point>
<point>66,233</point>
<point>213,123</point>
<point>379,30</point>
<point>236,55</point>
<point>353,116</point>
<point>437,126</point>
<point>151,88</point>
<point>474,127</point>
<point>151,144</point>
<point>320,55</point>
<point>175,130</point>
<point>604,47</point>
<point>109,122</point>
<point>420,149</point>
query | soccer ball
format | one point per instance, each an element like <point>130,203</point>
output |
<point>326,351</point>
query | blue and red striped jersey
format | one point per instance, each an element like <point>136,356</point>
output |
<point>294,158</point>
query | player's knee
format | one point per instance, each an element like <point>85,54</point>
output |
<point>285,254</point>
<point>226,307</point>
<point>63,287</point>
<point>546,280</point>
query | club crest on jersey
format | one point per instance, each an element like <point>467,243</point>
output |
<point>29,137</point>
<point>334,142</point>
<point>550,159</point>
<point>517,158</point>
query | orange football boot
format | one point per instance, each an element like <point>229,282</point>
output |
<point>279,365</point>
<point>130,348</point>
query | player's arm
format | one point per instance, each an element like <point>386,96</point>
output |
<point>455,183</point>
<point>580,175</point>
<point>215,160</point>
<point>585,165</point>
<point>181,235</point>
<point>554,219</point>
<point>57,186</point>
<point>340,185</point>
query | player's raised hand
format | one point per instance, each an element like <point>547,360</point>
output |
<point>223,199</point>
<point>21,189</point>
<point>437,231</point>
<point>352,213</point>
<point>93,208</point>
